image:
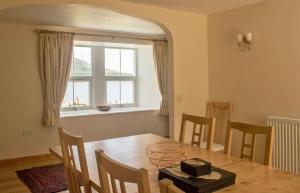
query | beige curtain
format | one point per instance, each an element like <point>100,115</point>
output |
<point>161,65</point>
<point>55,61</point>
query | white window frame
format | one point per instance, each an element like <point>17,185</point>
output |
<point>93,82</point>
<point>89,79</point>
<point>123,78</point>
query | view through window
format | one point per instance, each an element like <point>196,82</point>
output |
<point>120,75</point>
<point>78,92</point>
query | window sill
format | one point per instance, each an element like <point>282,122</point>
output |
<point>92,112</point>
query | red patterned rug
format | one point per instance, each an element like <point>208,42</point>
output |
<point>46,179</point>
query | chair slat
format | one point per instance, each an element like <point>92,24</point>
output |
<point>252,148</point>
<point>122,185</point>
<point>113,184</point>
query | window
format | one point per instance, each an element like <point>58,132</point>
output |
<point>78,92</point>
<point>120,92</point>
<point>120,75</point>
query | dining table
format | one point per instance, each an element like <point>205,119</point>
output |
<point>251,177</point>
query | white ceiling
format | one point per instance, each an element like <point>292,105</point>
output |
<point>78,16</point>
<point>199,6</point>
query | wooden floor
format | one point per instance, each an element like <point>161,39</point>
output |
<point>9,181</point>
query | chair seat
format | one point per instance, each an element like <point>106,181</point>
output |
<point>215,146</point>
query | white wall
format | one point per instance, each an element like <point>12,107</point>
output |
<point>21,103</point>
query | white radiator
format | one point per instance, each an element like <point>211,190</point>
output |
<point>286,149</point>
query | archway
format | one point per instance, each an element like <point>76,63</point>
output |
<point>188,49</point>
<point>120,8</point>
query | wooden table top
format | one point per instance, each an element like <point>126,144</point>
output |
<point>251,177</point>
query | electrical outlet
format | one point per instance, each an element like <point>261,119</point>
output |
<point>27,133</point>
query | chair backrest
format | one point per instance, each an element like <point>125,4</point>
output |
<point>204,123</point>
<point>120,172</point>
<point>167,186</point>
<point>68,144</point>
<point>222,112</point>
<point>249,129</point>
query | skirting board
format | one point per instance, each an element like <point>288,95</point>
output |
<point>19,160</point>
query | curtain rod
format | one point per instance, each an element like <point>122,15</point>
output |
<point>103,35</point>
<point>120,36</point>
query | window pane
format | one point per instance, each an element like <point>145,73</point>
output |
<point>113,92</point>
<point>128,62</point>
<point>112,62</point>
<point>82,62</point>
<point>127,92</point>
<point>82,93</point>
<point>68,99</point>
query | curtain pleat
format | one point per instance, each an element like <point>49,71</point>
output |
<point>55,62</point>
<point>160,56</point>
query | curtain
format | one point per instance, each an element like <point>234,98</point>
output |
<point>161,65</point>
<point>55,61</point>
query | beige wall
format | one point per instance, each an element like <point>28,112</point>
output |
<point>21,103</point>
<point>265,80</point>
<point>21,95</point>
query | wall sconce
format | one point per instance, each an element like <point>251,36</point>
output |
<point>244,40</point>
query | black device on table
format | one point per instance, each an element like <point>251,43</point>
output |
<point>197,176</point>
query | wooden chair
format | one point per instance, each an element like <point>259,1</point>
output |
<point>204,123</point>
<point>120,172</point>
<point>68,143</point>
<point>221,111</point>
<point>167,186</point>
<point>251,130</point>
